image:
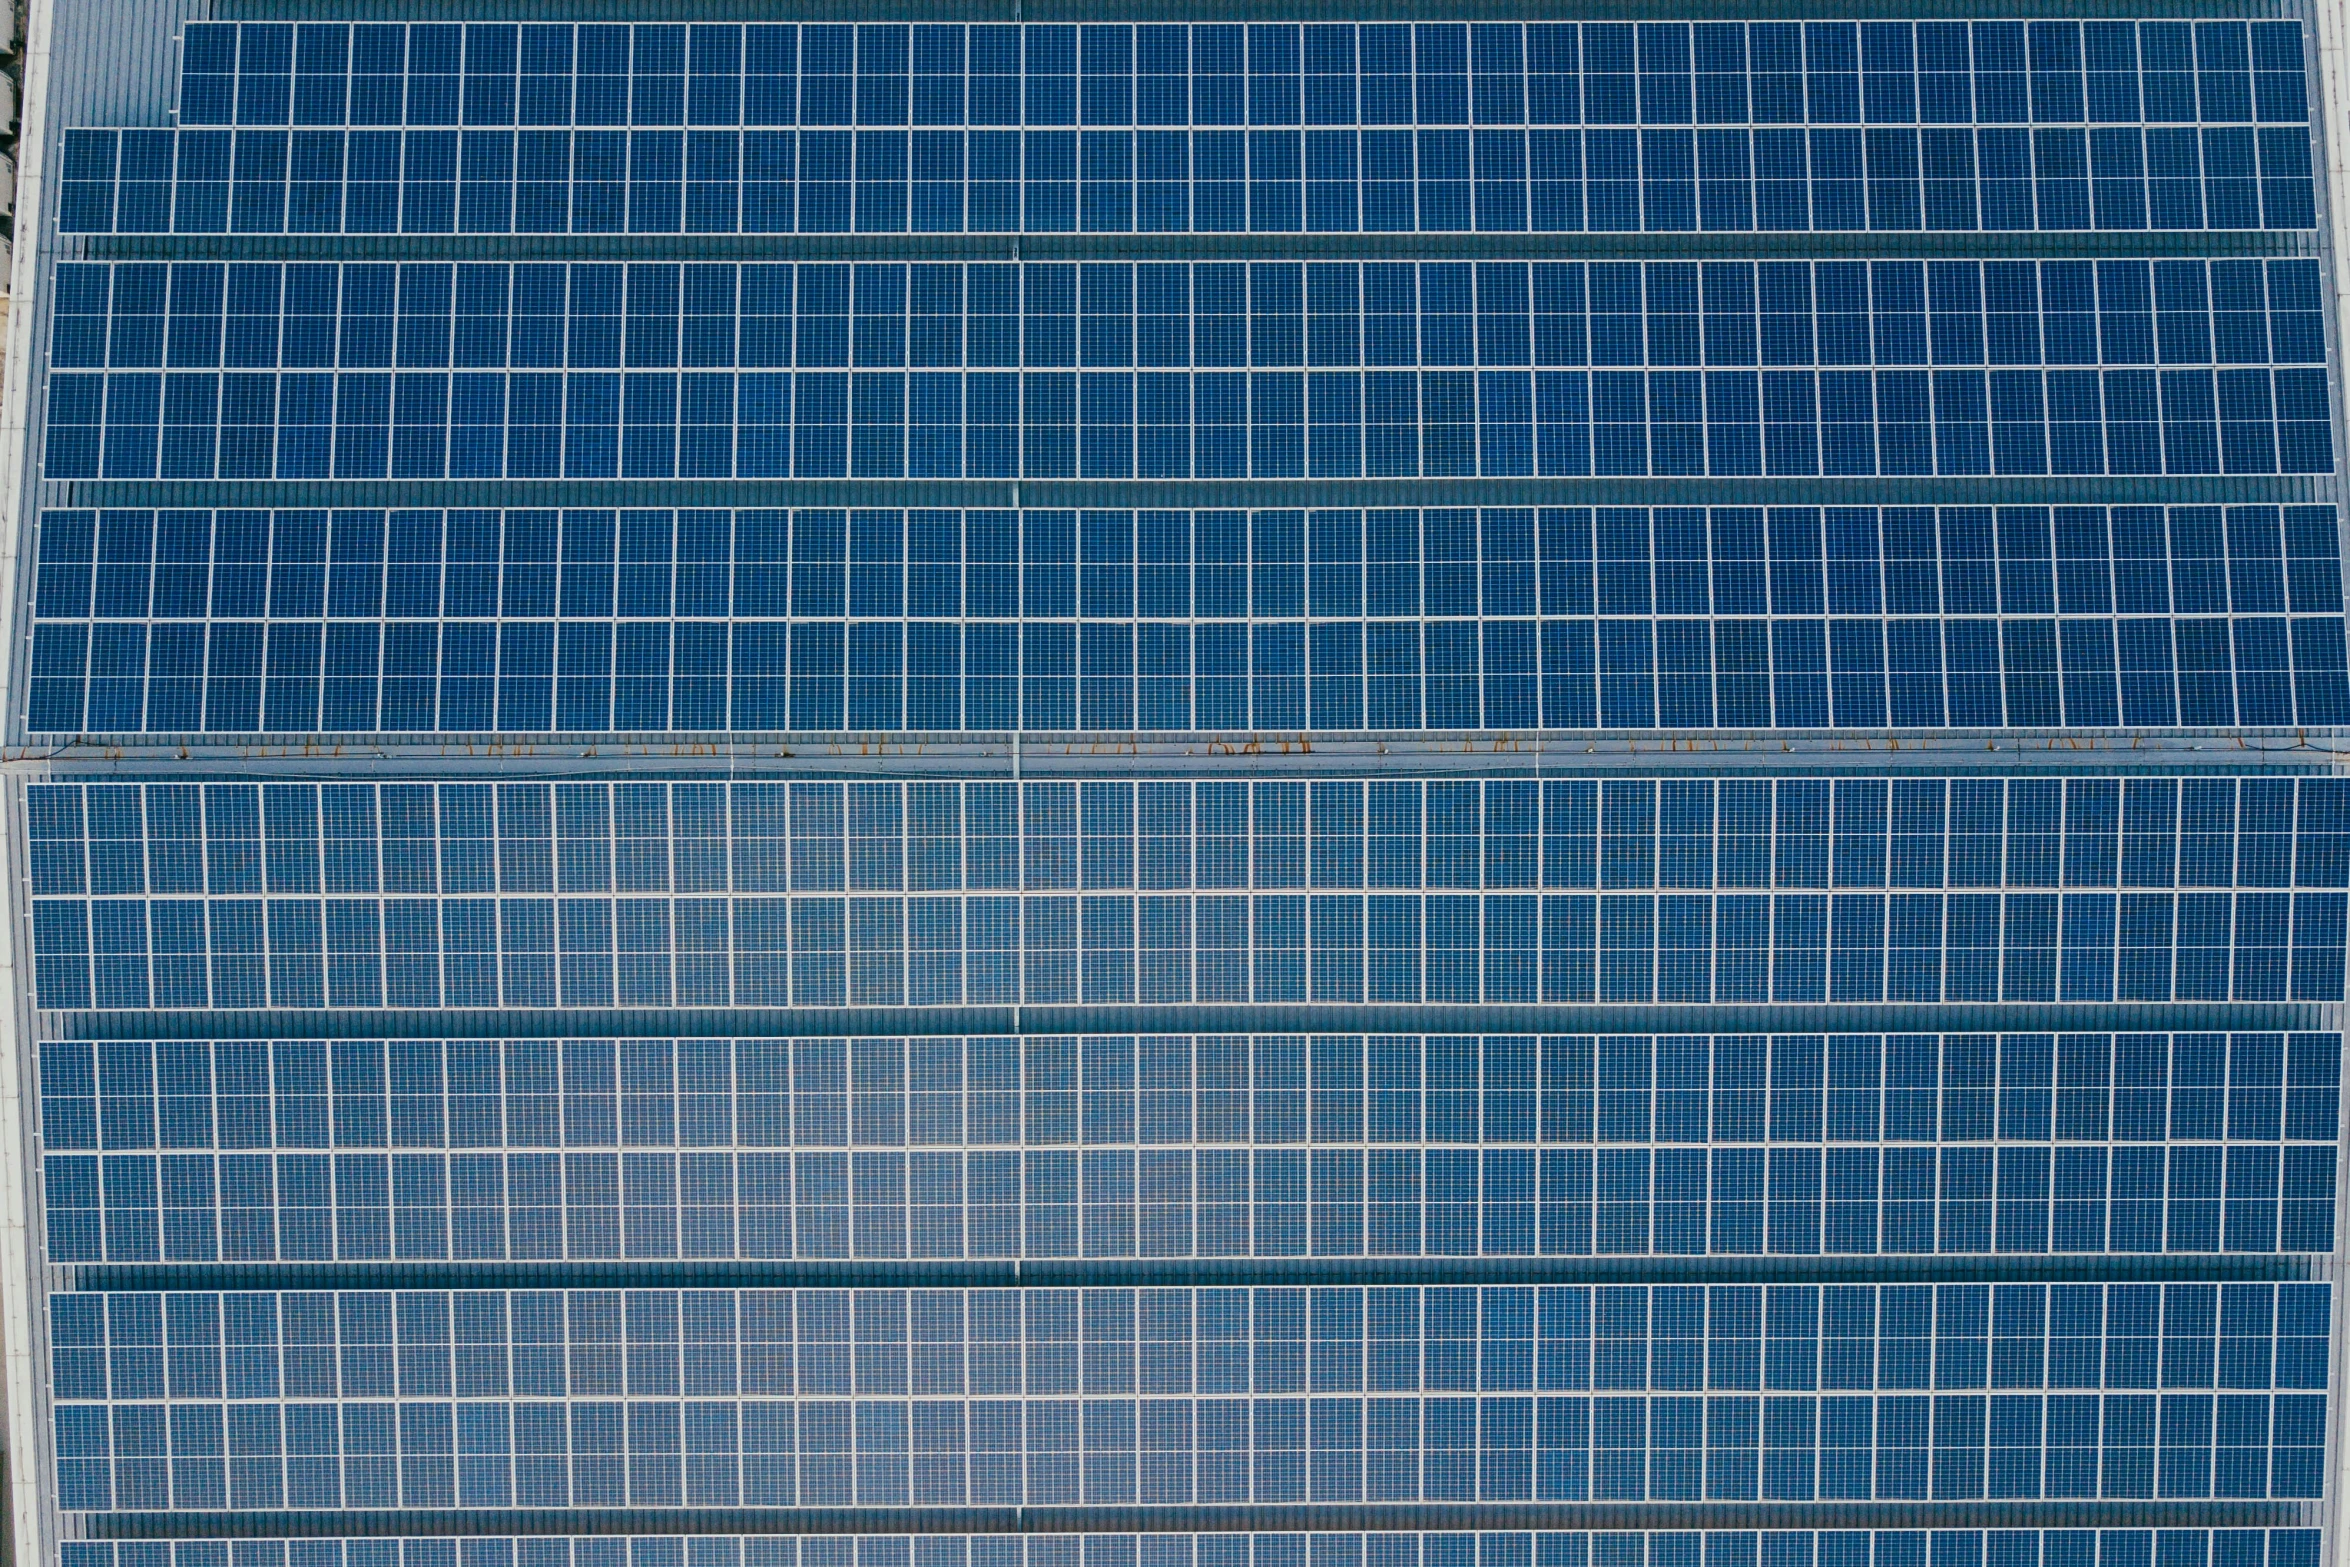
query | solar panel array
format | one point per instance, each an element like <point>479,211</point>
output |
<point>1012,1398</point>
<point>1731,1548</point>
<point>1188,831</point>
<point>2224,177</point>
<point>1175,1146</point>
<point>771,895</point>
<point>1108,74</point>
<point>1373,128</point>
<point>574,370</point>
<point>873,619</point>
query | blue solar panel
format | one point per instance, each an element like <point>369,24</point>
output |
<point>993,893</point>
<point>872,619</point>
<point>1517,1037</point>
<point>1378,128</point>
<point>2197,1547</point>
<point>1173,1146</point>
<point>1541,181</point>
<point>1207,370</point>
<point>1045,1397</point>
<point>1266,74</point>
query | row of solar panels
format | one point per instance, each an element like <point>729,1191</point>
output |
<point>1174,315</point>
<point>1168,949</point>
<point>1503,1338</point>
<point>1214,564</point>
<point>1166,1089</point>
<point>828,182</point>
<point>459,682</point>
<point>2031,1547</point>
<point>415,677</point>
<point>2191,1547</point>
<point>1000,1452</point>
<point>1554,835</point>
<point>1120,425</point>
<point>1264,74</point>
<point>1168,1203</point>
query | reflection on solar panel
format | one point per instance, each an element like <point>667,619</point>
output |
<point>1182,792</point>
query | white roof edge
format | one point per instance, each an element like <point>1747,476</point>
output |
<point>29,1459</point>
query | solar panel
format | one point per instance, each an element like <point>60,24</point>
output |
<point>1113,74</point>
<point>1173,1146</point>
<point>2275,1547</point>
<point>880,619</point>
<point>891,1398</point>
<point>934,894</point>
<point>1199,793</point>
<point>1174,370</point>
<point>1379,128</point>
